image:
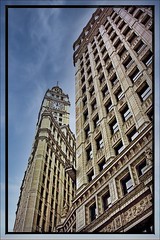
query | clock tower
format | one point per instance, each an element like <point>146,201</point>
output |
<point>48,186</point>
<point>56,101</point>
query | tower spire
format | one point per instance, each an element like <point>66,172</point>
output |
<point>57,83</point>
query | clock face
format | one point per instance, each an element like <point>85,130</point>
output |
<point>57,105</point>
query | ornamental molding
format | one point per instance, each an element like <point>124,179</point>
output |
<point>114,219</point>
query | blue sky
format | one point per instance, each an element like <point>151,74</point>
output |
<point>40,54</point>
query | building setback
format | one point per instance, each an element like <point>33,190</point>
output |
<point>113,60</point>
<point>48,186</point>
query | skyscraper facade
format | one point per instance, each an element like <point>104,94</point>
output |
<point>114,112</point>
<point>48,186</point>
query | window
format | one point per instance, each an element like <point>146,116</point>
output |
<point>117,43</point>
<point>46,198</point>
<point>83,89</point>
<point>145,92</point>
<point>110,68</point>
<point>128,62</point>
<point>86,51</point>
<point>125,113</point>
<point>93,46</point>
<point>87,63</point>
<point>121,25</point>
<point>90,176</point>
<point>121,51</point>
<point>87,132</point>
<point>38,220</point>
<point>114,126</point>
<point>103,51</point>
<point>90,81</point>
<point>138,14</point>
<point>132,135</point>
<point>82,71</point>
<point>51,216</point>
<point>145,19</point>
<point>92,212</point>
<point>117,19</point>
<point>139,47</point>
<point>99,68</point>
<point>147,59</point>
<point>141,168</point>
<point>40,205</point>
<point>89,153</point>
<point>46,158</point>
<point>106,58</point>
<point>102,165</point>
<point>99,142</point>
<point>49,173</point>
<point>83,80</point>
<point>45,168</point>
<point>114,80</point>
<point>105,91</point>
<point>101,43</point>
<point>47,148</point>
<point>95,53</point>
<point>45,210</point>
<point>127,184</point>
<point>89,71</point>
<point>150,115</point>
<point>106,201</point>
<point>42,191</point>
<point>110,30</point>
<point>114,35</point>
<point>114,16</point>
<point>109,106</point>
<point>99,37</point>
<point>135,74</point>
<point>132,10</point>
<point>84,101</point>
<point>102,79</point>
<point>132,38</point>
<point>85,114</point>
<point>118,149</point>
<point>119,94</point>
<point>126,30</point>
<point>94,105</point>
<point>96,121</point>
<point>92,92</point>
<point>97,60</point>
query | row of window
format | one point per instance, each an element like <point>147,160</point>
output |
<point>131,38</point>
<point>127,62</point>
<point>100,143</point>
<point>126,186</point>
<point>137,13</point>
<point>118,94</point>
<point>143,92</point>
<point>55,133</point>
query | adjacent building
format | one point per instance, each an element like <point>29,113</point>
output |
<point>48,186</point>
<point>113,60</point>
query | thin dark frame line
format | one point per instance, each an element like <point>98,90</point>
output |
<point>6,109</point>
<point>6,115</point>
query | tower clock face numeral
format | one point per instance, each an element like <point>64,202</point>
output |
<point>58,105</point>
